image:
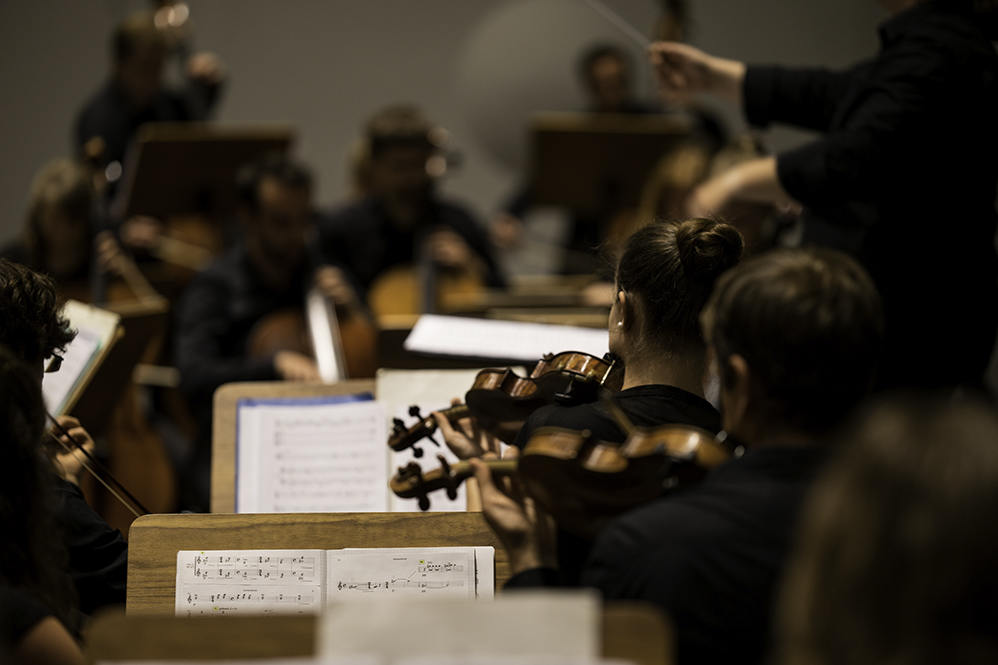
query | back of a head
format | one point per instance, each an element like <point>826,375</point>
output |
<point>276,166</point>
<point>896,558</point>
<point>31,322</point>
<point>809,324</point>
<point>397,125</point>
<point>672,268</point>
<point>61,185</point>
<point>136,32</point>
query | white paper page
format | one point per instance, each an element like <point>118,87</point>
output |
<point>57,386</point>
<point>430,390</point>
<point>516,340</point>
<point>427,572</point>
<point>484,562</point>
<point>249,582</point>
<point>311,456</point>
<point>551,624</point>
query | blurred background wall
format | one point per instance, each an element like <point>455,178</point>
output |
<point>478,67</point>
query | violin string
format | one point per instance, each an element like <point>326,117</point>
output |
<point>96,466</point>
<point>618,22</point>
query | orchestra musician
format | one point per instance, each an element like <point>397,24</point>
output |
<point>33,329</point>
<point>403,222</point>
<point>793,336</point>
<point>37,604</point>
<point>223,320</point>
<point>903,177</point>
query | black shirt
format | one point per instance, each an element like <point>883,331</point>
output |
<point>645,406</point>
<point>19,614</point>
<point>363,238</point>
<point>111,116</point>
<point>904,178</point>
<point>98,555</point>
<point>711,556</point>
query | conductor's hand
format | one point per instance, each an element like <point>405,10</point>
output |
<point>69,463</point>
<point>684,71</point>
<point>334,285</point>
<point>293,366</point>
<point>464,438</point>
<point>526,531</point>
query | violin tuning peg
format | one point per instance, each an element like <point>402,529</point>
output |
<point>424,502</point>
<point>452,493</point>
<point>418,452</point>
<point>414,411</point>
<point>397,425</point>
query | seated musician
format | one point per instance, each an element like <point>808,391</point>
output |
<point>403,221</point>
<point>33,329</point>
<point>37,608</point>
<point>60,239</point>
<point>135,94</point>
<point>227,329</point>
<point>794,337</point>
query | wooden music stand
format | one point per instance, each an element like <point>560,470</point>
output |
<point>632,632</point>
<point>597,163</point>
<point>154,540</point>
<point>143,324</point>
<point>223,433</point>
<point>190,168</point>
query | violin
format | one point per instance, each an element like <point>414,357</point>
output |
<point>500,400</point>
<point>583,482</point>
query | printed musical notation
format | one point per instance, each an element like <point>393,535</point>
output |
<point>257,569</point>
<point>399,571</point>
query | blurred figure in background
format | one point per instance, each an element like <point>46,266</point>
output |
<point>896,558</point>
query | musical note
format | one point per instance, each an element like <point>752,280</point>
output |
<point>401,572</point>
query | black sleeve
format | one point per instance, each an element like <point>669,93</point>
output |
<point>802,97</point>
<point>98,555</point>
<point>203,323</point>
<point>533,578</point>
<point>881,143</point>
<point>19,614</point>
<point>200,99</point>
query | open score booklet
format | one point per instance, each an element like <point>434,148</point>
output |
<point>215,582</point>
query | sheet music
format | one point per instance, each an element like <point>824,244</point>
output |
<point>95,328</point>
<point>217,582</point>
<point>400,571</point>
<point>311,455</point>
<point>515,340</point>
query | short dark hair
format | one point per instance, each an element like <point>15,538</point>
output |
<point>895,557</point>
<point>31,322</point>
<point>278,166</point>
<point>135,32</point>
<point>672,267</point>
<point>597,52</point>
<point>64,185</point>
<point>809,323</point>
<point>399,125</point>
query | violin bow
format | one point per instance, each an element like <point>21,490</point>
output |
<point>92,466</point>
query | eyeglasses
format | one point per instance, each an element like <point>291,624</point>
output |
<point>54,364</point>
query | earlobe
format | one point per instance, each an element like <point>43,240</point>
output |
<point>736,390</point>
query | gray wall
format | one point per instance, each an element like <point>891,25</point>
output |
<point>477,66</point>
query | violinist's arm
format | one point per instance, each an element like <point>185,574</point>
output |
<point>526,532</point>
<point>69,463</point>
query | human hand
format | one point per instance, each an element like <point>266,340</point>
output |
<point>69,463</point>
<point>465,440</point>
<point>709,198</point>
<point>525,530</point>
<point>449,250</point>
<point>141,232</point>
<point>333,284</point>
<point>683,71</point>
<point>205,68</point>
<point>293,366</point>
<point>506,231</point>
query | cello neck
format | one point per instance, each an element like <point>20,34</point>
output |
<point>324,331</point>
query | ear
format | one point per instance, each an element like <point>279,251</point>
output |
<point>736,393</point>
<point>625,315</point>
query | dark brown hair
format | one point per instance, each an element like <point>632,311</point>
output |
<point>897,558</point>
<point>809,324</point>
<point>62,185</point>
<point>31,322</point>
<point>672,267</point>
<point>397,125</point>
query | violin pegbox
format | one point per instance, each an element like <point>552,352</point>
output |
<point>411,476</point>
<point>451,480</point>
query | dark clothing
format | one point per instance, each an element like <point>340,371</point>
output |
<point>710,556</point>
<point>215,324</point>
<point>362,238</point>
<point>904,179</point>
<point>98,555</point>
<point>19,614</point>
<point>112,117</point>
<point>646,406</point>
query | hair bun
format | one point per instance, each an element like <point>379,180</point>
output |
<point>707,247</point>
